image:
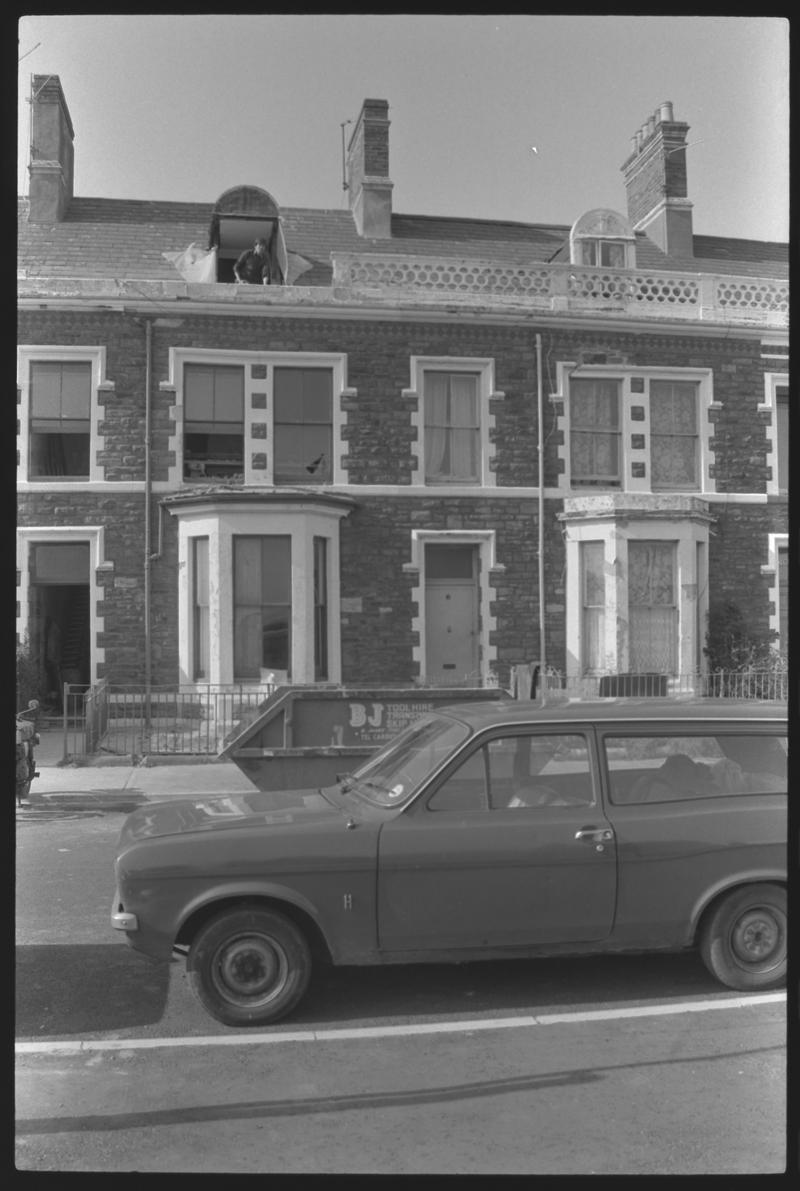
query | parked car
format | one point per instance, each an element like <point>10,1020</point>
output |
<point>482,831</point>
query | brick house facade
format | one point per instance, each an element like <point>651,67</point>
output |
<point>429,450</point>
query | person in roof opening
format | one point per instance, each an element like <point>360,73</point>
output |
<point>252,267</point>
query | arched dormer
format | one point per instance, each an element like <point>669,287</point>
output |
<point>603,239</point>
<point>242,215</point>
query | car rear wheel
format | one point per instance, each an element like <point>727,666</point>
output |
<point>743,943</point>
<point>249,966</point>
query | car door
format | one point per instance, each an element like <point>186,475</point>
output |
<point>697,808</point>
<point>511,848</point>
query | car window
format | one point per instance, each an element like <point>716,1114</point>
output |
<point>670,768</point>
<point>520,771</point>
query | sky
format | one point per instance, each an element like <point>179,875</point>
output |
<point>183,107</point>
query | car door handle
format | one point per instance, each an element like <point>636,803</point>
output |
<point>595,835</point>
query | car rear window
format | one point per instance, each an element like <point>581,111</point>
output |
<point>665,767</point>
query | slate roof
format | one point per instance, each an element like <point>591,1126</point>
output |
<point>125,239</point>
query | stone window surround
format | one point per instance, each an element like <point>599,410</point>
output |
<point>28,354</point>
<point>336,361</point>
<point>486,541</point>
<point>220,522</point>
<point>616,529</point>
<point>775,542</point>
<point>625,373</point>
<point>64,535</point>
<point>773,381</point>
<point>484,366</point>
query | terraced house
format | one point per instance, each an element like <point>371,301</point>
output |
<point>428,450</point>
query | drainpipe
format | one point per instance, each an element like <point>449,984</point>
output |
<point>148,498</point>
<point>540,451</point>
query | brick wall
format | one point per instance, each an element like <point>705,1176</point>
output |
<point>737,550</point>
<point>377,643</point>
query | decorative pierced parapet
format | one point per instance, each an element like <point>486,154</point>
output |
<point>394,279</point>
<point>562,288</point>
<point>747,293</point>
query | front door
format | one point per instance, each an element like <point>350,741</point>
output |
<point>59,616</point>
<point>512,849</point>
<point>451,614</point>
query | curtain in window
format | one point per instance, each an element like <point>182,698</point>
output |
<point>783,600</point>
<point>673,428</point>
<point>436,407</point>
<point>594,429</point>
<point>464,419</point>
<point>652,613</point>
<point>782,435</point>
<point>451,426</point>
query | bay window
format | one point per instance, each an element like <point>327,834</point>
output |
<point>652,607</point>
<point>262,606</point>
<point>593,587</point>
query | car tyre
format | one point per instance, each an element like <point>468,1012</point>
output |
<point>743,943</point>
<point>249,966</point>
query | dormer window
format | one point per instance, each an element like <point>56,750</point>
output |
<point>603,253</point>
<point>602,239</point>
<point>242,216</point>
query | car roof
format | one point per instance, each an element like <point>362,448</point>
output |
<point>624,711</point>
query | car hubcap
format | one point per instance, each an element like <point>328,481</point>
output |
<point>756,936</point>
<point>251,968</point>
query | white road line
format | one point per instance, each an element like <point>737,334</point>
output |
<point>364,1032</point>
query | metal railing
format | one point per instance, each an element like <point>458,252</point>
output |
<point>727,684</point>
<point>136,722</point>
<point>196,721</point>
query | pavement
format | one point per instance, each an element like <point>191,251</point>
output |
<point>115,783</point>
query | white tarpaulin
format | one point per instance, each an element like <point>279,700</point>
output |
<point>194,263</point>
<point>297,265</point>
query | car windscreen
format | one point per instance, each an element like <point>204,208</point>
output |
<point>392,775</point>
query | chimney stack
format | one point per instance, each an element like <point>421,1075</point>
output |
<point>51,162</point>
<point>655,178</point>
<point>368,185</point>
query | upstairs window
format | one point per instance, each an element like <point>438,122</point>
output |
<point>783,599</point>
<point>213,421</point>
<point>60,419</point>
<point>595,431</point>
<point>452,427</point>
<point>674,438</point>
<point>303,425</point>
<point>782,435</point>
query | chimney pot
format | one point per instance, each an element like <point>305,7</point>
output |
<point>666,112</point>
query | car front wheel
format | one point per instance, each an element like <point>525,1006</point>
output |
<point>743,943</point>
<point>249,966</point>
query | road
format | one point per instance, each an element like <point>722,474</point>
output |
<point>610,1065</point>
